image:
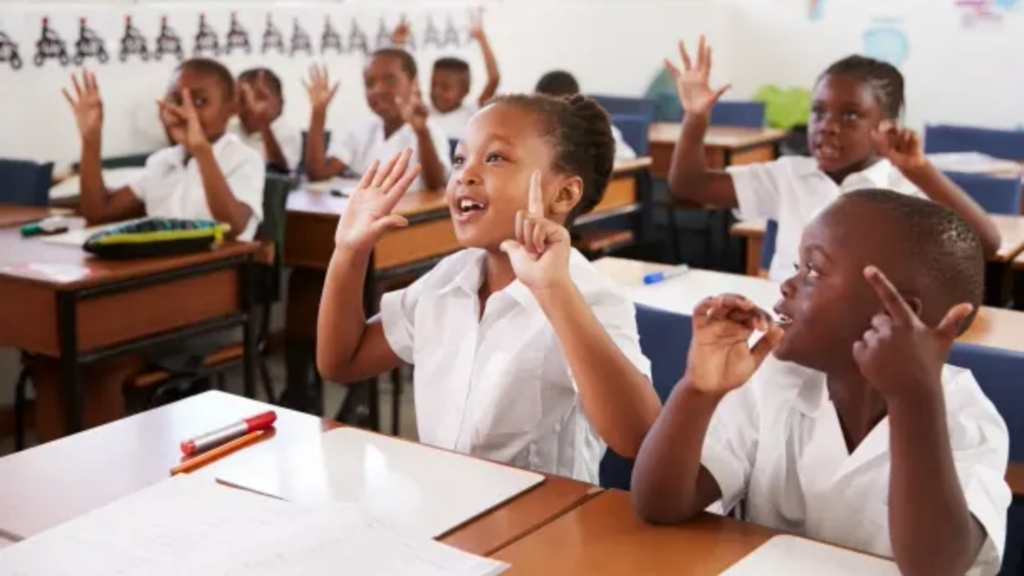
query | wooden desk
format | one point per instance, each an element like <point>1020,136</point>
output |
<point>605,537</point>
<point>61,302</point>
<point>50,484</point>
<point>723,146</point>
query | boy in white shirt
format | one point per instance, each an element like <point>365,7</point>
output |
<point>208,174</point>
<point>868,440</point>
<point>261,122</point>
<point>855,142</point>
<point>560,83</point>
<point>402,121</point>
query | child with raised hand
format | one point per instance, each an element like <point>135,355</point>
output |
<point>855,141</point>
<point>262,123</point>
<point>402,121</point>
<point>560,83</point>
<point>843,423</point>
<point>524,353</point>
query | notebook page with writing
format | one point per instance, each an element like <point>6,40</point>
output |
<point>794,556</point>
<point>192,526</point>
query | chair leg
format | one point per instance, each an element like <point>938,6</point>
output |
<point>396,401</point>
<point>20,401</point>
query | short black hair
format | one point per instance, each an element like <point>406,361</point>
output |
<point>580,133</point>
<point>451,64</point>
<point>946,251</point>
<point>884,79</point>
<point>271,80</point>
<point>408,62</point>
<point>558,83</point>
<point>213,68</point>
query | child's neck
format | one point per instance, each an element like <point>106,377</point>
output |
<point>498,274</point>
<point>860,408</point>
<point>841,175</point>
<point>391,126</point>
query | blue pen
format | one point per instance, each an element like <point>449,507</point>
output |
<point>660,276</point>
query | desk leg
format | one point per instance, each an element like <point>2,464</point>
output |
<point>67,320</point>
<point>249,351</point>
<point>302,392</point>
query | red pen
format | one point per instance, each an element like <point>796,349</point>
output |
<point>228,433</point>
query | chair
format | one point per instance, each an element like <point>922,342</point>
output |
<point>995,195</point>
<point>635,130</point>
<point>738,114</point>
<point>25,183</point>
<point>615,105</point>
<point>664,339</point>
<point>768,244</point>
<point>1006,144</point>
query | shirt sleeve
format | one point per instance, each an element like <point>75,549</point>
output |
<point>143,184</point>
<point>398,316</point>
<point>757,190</point>
<point>345,147</point>
<point>245,172</point>
<point>731,444</point>
<point>289,140</point>
<point>617,314</point>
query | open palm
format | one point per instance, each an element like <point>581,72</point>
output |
<point>319,87</point>
<point>720,357</point>
<point>369,213</point>
<point>86,104</point>
<point>692,82</point>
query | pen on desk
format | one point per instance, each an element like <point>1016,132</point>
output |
<point>223,450</point>
<point>211,440</point>
<point>660,276</point>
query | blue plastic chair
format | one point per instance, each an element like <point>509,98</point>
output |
<point>635,131</point>
<point>739,114</point>
<point>615,105</point>
<point>768,244</point>
<point>664,339</point>
<point>1006,144</point>
<point>995,195</point>
<point>998,372</point>
<point>25,183</point>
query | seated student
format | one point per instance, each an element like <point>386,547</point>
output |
<point>561,83</point>
<point>868,440</point>
<point>262,124</point>
<point>209,174</point>
<point>855,141</point>
<point>402,121</point>
<point>524,353</point>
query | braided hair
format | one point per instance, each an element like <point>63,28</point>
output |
<point>580,134</point>
<point>884,79</point>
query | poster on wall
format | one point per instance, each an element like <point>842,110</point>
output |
<point>885,39</point>
<point>984,13</point>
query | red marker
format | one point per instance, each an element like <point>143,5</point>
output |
<point>228,433</point>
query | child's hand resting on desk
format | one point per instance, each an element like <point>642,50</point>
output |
<point>87,105</point>
<point>319,88</point>
<point>720,358</point>
<point>901,146</point>
<point>182,122</point>
<point>540,253</point>
<point>695,93</point>
<point>899,354</point>
<point>368,214</point>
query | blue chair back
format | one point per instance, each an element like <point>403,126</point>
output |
<point>635,130</point>
<point>615,105</point>
<point>768,246</point>
<point>452,144</point>
<point>1006,144</point>
<point>25,183</point>
<point>995,195</point>
<point>739,114</point>
<point>664,339</point>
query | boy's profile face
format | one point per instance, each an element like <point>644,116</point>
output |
<point>844,113</point>
<point>448,88</point>
<point>214,105</point>
<point>387,86</point>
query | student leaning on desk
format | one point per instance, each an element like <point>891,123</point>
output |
<point>207,174</point>
<point>524,353</point>
<point>854,431</point>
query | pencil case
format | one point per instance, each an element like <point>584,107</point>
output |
<point>154,237</point>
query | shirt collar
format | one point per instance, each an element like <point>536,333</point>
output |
<point>877,175</point>
<point>180,155</point>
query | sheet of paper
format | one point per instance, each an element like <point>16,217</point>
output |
<point>682,293</point>
<point>78,237</point>
<point>114,178</point>
<point>344,186</point>
<point>974,162</point>
<point>794,556</point>
<point>187,525</point>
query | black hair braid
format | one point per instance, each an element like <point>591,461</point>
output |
<point>884,79</point>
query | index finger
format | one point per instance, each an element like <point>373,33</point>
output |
<point>890,297</point>
<point>535,203</point>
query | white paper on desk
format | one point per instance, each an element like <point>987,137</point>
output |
<point>78,237</point>
<point>682,294</point>
<point>113,178</point>
<point>191,526</point>
<point>344,186</point>
<point>974,162</point>
<point>794,556</point>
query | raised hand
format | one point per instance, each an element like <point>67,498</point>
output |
<point>319,88</point>
<point>476,25</point>
<point>183,123</point>
<point>901,146</point>
<point>86,104</point>
<point>368,215</point>
<point>899,354</point>
<point>414,111</point>
<point>720,358</point>
<point>695,92</point>
<point>540,253</point>
<point>402,32</point>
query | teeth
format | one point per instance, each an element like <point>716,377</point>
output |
<point>466,204</point>
<point>784,320</point>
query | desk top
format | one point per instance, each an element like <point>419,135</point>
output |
<point>718,136</point>
<point>605,537</point>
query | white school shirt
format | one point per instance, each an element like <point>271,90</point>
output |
<point>498,386</point>
<point>453,123</point>
<point>289,140</point>
<point>777,443</point>
<point>170,187</point>
<point>623,151</point>
<point>792,191</point>
<point>359,147</point>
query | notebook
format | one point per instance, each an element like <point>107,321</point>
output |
<point>410,487</point>
<point>190,525</point>
<point>794,556</point>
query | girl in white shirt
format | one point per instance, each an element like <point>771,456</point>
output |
<point>524,353</point>
<point>855,142</point>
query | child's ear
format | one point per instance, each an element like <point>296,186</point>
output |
<point>569,194</point>
<point>915,304</point>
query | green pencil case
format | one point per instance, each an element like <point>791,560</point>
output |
<point>155,237</point>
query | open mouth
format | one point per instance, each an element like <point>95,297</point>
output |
<point>782,319</point>
<point>827,151</point>
<point>467,208</point>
